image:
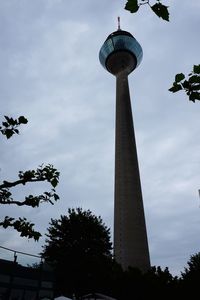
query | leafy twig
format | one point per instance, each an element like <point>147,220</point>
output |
<point>191,85</point>
<point>158,8</point>
<point>10,126</point>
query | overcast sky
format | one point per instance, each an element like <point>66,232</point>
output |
<point>50,73</point>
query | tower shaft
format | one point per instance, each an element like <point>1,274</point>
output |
<point>130,236</point>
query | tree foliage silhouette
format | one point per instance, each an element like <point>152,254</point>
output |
<point>190,277</point>
<point>193,269</point>
<point>79,248</point>
<point>154,284</point>
<point>46,173</point>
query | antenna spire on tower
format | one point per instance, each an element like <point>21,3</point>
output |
<point>118,19</point>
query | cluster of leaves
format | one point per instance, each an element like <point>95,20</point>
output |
<point>21,225</point>
<point>10,126</point>
<point>191,85</point>
<point>193,269</point>
<point>154,284</point>
<point>158,8</point>
<point>43,173</point>
<point>48,173</point>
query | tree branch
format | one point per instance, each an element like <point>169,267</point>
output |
<point>19,203</point>
<point>7,184</point>
<point>34,201</point>
<point>21,225</point>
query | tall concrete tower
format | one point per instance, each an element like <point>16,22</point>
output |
<point>120,55</point>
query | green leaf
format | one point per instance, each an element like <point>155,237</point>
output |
<point>161,11</point>
<point>7,119</point>
<point>194,96</point>
<point>28,175</point>
<point>16,131</point>
<point>175,88</point>
<point>196,69</point>
<point>54,182</point>
<point>194,79</point>
<point>196,87</point>
<point>8,133</point>
<point>179,77</point>
<point>132,6</point>
<point>13,122</point>
<point>5,124</point>
<point>56,197</point>
<point>22,120</point>
<point>186,84</point>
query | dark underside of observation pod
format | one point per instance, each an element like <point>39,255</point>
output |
<point>121,61</point>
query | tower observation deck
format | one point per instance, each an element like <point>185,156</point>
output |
<point>120,55</point>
